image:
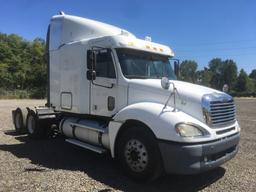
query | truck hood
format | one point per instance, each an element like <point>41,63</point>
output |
<point>188,98</point>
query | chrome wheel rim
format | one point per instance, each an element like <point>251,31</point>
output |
<point>31,124</point>
<point>136,155</point>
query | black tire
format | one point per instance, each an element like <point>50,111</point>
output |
<point>19,119</point>
<point>35,127</point>
<point>138,154</point>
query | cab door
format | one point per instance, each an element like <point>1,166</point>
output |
<point>103,82</point>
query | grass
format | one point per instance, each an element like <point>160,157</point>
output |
<point>21,94</point>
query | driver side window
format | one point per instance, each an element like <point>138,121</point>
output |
<point>104,64</point>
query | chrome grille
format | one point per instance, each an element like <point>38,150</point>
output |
<point>222,112</point>
<point>218,109</point>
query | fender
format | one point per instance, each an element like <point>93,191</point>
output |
<point>160,120</point>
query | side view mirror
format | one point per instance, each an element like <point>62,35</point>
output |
<point>177,68</point>
<point>165,83</point>
<point>225,88</point>
<point>91,60</point>
<point>91,65</point>
<point>91,75</point>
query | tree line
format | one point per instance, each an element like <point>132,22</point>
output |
<point>23,71</point>
<point>219,73</point>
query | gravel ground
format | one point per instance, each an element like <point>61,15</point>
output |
<point>54,165</point>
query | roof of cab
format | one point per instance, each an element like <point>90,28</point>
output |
<point>70,29</point>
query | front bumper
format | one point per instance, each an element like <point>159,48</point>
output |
<point>195,158</point>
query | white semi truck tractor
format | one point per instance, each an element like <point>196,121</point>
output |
<point>109,91</point>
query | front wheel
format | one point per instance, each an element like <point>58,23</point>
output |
<point>139,154</point>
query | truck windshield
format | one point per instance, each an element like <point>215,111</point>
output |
<point>137,64</point>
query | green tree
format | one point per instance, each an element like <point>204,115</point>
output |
<point>223,72</point>
<point>22,65</point>
<point>204,77</point>
<point>253,74</point>
<point>215,67</point>
<point>242,81</point>
<point>253,81</point>
<point>38,73</point>
<point>228,73</point>
<point>188,71</point>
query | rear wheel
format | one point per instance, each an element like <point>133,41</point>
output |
<point>139,155</point>
<point>20,120</point>
<point>35,127</point>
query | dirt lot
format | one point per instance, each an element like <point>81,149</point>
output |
<point>53,165</point>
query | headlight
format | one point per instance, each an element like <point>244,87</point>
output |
<point>190,130</point>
